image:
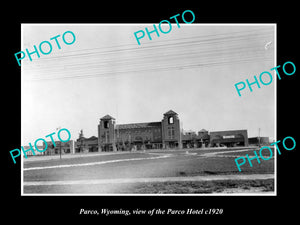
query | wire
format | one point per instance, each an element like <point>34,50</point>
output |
<point>207,40</point>
<point>107,74</point>
<point>196,52</point>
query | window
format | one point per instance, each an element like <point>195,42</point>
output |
<point>171,120</point>
<point>106,124</point>
<point>171,132</point>
<point>107,137</point>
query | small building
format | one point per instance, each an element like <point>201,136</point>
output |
<point>59,147</point>
<point>192,140</point>
<point>203,138</point>
<point>189,139</point>
<point>259,141</point>
<point>83,144</point>
<point>30,153</point>
<point>229,138</point>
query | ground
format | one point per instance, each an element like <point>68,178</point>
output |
<point>187,171</point>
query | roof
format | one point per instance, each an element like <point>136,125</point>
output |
<point>89,139</point>
<point>203,130</point>
<point>107,117</point>
<point>138,125</point>
<point>223,132</point>
<point>170,112</point>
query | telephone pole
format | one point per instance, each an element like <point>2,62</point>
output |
<point>60,150</point>
<point>259,137</point>
<point>59,144</point>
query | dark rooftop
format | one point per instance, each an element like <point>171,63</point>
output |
<point>138,125</point>
<point>107,117</point>
<point>170,112</point>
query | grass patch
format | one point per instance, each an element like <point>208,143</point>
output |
<point>183,187</point>
<point>203,187</point>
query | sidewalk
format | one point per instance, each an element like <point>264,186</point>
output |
<point>69,156</point>
<point>91,154</point>
<point>153,179</point>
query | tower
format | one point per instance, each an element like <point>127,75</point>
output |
<point>171,135</point>
<point>106,134</point>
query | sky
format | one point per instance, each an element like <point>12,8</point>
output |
<point>191,70</point>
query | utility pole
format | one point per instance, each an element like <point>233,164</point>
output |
<point>60,151</point>
<point>259,137</point>
<point>59,144</point>
<point>81,141</point>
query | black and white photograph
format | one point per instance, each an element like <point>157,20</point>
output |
<point>149,112</point>
<point>144,109</point>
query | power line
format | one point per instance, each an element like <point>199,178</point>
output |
<point>146,54</point>
<point>205,52</point>
<point>200,56</point>
<point>208,39</point>
<point>169,56</point>
<point>108,74</point>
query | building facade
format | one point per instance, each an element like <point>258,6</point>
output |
<point>192,140</point>
<point>83,144</point>
<point>59,147</point>
<point>258,141</point>
<point>171,133</point>
<point>164,134</point>
<point>137,136</point>
<point>229,138</point>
